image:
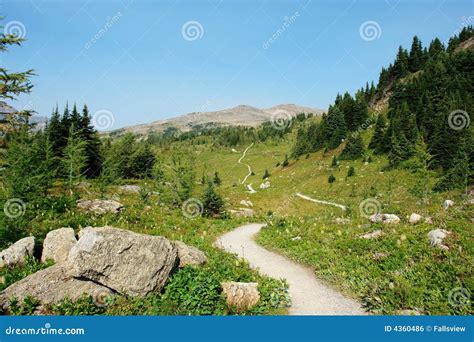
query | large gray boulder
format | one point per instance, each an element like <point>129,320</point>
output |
<point>16,253</point>
<point>241,296</point>
<point>52,285</point>
<point>127,262</point>
<point>189,255</point>
<point>57,244</point>
<point>100,207</point>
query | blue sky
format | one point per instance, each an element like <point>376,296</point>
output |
<point>142,67</point>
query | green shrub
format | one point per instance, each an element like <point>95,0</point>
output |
<point>195,291</point>
<point>351,172</point>
<point>12,274</point>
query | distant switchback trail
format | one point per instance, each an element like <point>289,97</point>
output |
<point>299,194</point>
<point>248,166</point>
<point>308,295</point>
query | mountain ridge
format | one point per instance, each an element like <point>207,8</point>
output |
<point>241,115</point>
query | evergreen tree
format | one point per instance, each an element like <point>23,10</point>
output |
<point>331,179</point>
<point>336,127</point>
<point>75,119</point>
<point>435,49</point>
<point>459,174</point>
<point>217,180</point>
<point>379,138</point>
<point>351,171</point>
<point>90,135</point>
<point>54,131</point>
<point>74,159</point>
<point>302,144</point>
<point>396,154</point>
<point>285,162</point>
<point>334,161</point>
<point>415,59</point>
<point>361,107</point>
<point>400,67</point>
<point>213,204</point>
<point>266,174</point>
<point>419,165</point>
<point>354,148</point>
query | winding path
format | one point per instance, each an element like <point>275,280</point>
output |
<point>308,295</point>
<point>299,194</point>
<point>248,166</point>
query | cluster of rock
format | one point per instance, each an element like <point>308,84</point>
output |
<point>435,236</point>
<point>100,207</point>
<point>105,261</point>
<point>101,262</point>
<point>265,185</point>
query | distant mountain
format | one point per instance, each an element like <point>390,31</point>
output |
<point>39,121</point>
<point>242,115</point>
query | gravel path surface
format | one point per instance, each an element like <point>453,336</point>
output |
<point>309,296</point>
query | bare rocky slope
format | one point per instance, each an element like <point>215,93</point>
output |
<point>238,116</point>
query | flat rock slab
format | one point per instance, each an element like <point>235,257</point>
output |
<point>16,253</point>
<point>127,262</point>
<point>130,188</point>
<point>100,207</point>
<point>51,285</point>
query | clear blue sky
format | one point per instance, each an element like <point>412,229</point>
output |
<point>142,68</point>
